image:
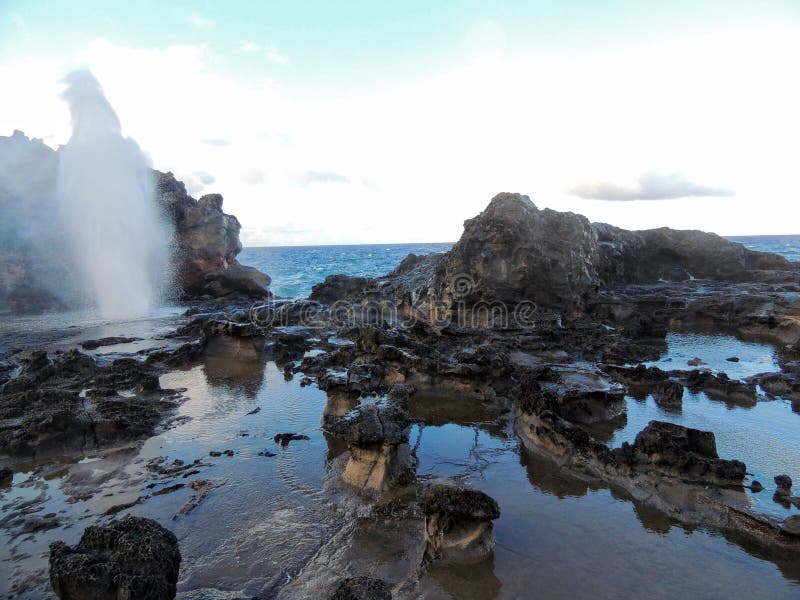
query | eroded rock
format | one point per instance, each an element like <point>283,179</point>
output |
<point>458,523</point>
<point>130,558</point>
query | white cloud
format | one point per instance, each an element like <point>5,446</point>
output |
<point>253,176</point>
<point>276,57</point>
<point>200,22</point>
<point>270,52</point>
<point>651,186</point>
<point>309,177</point>
<point>248,46</point>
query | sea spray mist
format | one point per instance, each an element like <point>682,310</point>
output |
<point>120,239</point>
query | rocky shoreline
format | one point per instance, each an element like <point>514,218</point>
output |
<point>541,315</point>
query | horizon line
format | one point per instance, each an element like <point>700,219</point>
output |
<point>748,235</point>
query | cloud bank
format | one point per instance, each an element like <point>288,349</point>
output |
<point>651,186</point>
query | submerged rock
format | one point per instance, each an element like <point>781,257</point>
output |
<point>130,558</point>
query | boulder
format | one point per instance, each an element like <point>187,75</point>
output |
<point>130,558</point>
<point>458,522</point>
<point>377,436</point>
<point>784,486</point>
<point>513,251</point>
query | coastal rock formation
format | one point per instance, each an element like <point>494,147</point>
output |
<point>513,251</point>
<point>377,435</point>
<point>206,245</point>
<point>69,402</point>
<point>515,255</point>
<point>131,558</point>
<point>675,255</point>
<point>458,523</point>
<point>683,452</point>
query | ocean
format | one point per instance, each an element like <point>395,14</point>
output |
<point>295,269</point>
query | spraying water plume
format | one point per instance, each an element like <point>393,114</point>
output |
<point>108,207</point>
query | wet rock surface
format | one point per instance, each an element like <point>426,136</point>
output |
<point>70,402</point>
<point>131,558</point>
<point>458,523</point>
<point>688,453</point>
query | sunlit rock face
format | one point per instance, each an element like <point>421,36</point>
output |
<point>206,245</point>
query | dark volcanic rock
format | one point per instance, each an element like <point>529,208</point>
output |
<point>514,251</point>
<point>70,403</point>
<point>6,476</point>
<point>676,255</point>
<point>338,287</point>
<point>131,558</point>
<point>784,485</point>
<point>284,438</point>
<point>107,341</point>
<point>362,588</point>
<point>374,423</point>
<point>685,452</point>
<point>458,522</point>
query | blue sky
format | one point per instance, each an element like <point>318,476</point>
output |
<point>316,120</point>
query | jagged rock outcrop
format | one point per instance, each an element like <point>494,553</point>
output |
<point>206,245</point>
<point>130,558</point>
<point>683,452</point>
<point>513,251</point>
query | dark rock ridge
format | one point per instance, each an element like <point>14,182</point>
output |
<point>513,252</point>
<point>36,271</point>
<point>131,558</point>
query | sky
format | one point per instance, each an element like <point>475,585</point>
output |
<point>375,122</point>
